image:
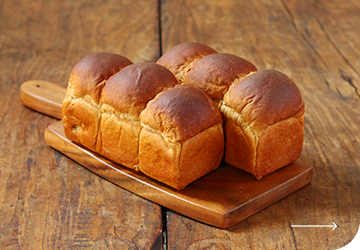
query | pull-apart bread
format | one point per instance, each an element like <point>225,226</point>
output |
<point>135,115</point>
<point>263,111</point>
<point>81,106</point>
<point>182,136</point>
<point>264,122</point>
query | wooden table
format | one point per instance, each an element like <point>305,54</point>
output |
<point>48,201</point>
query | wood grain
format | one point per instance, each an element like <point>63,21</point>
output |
<point>222,198</point>
<point>236,195</point>
<point>45,197</point>
<point>47,201</point>
<point>315,43</point>
<point>44,97</point>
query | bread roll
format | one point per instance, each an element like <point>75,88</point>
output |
<point>182,136</point>
<point>216,72</point>
<point>263,111</point>
<point>81,106</point>
<point>133,115</point>
<point>124,96</point>
<point>199,65</point>
<point>263,122</point>
<point>179,58</point>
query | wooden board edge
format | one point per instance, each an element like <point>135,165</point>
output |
<point>280,192</point>
<point>43,97</point>
<point>163,195</point>
<point>124,178</point>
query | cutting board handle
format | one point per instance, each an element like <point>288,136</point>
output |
<point>44,97</point>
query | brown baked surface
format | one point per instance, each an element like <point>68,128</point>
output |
<point>124,96</point>
<point>263,122</point>
<point>130,89</point>
<point>263,110</point>
<point>138,115</point>
<point>81,115</point>
<point>91,72</point>
<point>264,98</point>
<point>181,112</point>
<point>182,136</point>
<point>113,107</point>
<point>216,72</point>
<point>179,57</point>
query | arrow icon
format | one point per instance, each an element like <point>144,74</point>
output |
<point>333,226</point>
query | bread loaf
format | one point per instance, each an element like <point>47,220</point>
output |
<point>81,106</point>
<point>178,59</point>
<point>263,122</point>
<point>124,96</point>
<point>134,115</point>
<point>182,136</point>
<point>199,65</point>
<point>263,111</point>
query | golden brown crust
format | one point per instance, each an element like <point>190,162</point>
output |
<point>178,164</point>
<point>181,112</point>
<point>240,146</point>
<point>119,138</point>
<point>263,122</point>
<point>91,72</point>
<point>81,121</point>
<point>280,145</point>
<point>81,114</point>
<point>129,90</point>
<point>200,155</point>
<point>103,115</point>
<point>216,72</point>
<point>182,136</point>
<point>135,116</point>
<point>180,56</point>
<point>124,96</point>
<point>158,157</point>
<point>264,98</point>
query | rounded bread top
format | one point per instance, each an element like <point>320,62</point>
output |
<point>216,72</point>
<point>90,74</point>
<point>264,98</point>
<point>129,90</point>
<point>181,112</point>
<point>184,54</point>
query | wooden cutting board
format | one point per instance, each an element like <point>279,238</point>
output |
<point>221,198</point>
